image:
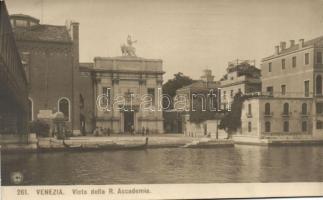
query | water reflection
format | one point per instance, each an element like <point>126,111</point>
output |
<point>173,165</point>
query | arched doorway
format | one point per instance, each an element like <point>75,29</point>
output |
<point>64,107</point>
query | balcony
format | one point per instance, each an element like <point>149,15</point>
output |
<point>286,114</point>
<point>249,115</point>
<point>270,114</point>
<point>304,114</point>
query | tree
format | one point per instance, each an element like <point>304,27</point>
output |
<point>232,120</point>
<point>170,87</point>
<point>39,127</point>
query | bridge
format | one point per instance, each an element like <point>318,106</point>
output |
<point>14,106</point>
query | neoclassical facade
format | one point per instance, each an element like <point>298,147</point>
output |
<point>127,82</point>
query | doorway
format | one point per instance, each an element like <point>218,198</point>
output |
<point>128,121</point>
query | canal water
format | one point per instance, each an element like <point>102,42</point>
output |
<point>168,165</point>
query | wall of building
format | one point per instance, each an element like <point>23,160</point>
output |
<point>50,67</point>
<point>208,128</point>
<point>292,77</point>
<point>251,118</point>
<point>87,103</point>
<point>276,118</point>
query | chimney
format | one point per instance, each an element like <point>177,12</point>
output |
<point>277,50</point>
<point>282,46</point>
<point>73,30</point>
<point>301,43</point>
<point>292,43</point>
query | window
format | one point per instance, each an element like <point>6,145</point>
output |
<point>64,107</point>
<point>319,124</point>
<point>319,57</point>
<point>319,108</point>
<point>267,127</point>
<point>304,126</point>
<point>307,58</point>
<point>249,109</point>
<point>249,127</point>
<point>283,89</point>
<point>270,90</point>
<point>304,109</point>
<point>283,63</point>
<point>267,109</point>
<point>306,88</point>
<point>294,61</point>
<point>319,85</point>
<point>286,109</point>
<point>286,126</point>
<point>224,95</point>
<point>269,67</point>
<point>231,93</point>
<point>21,23</point>
<point>107,92</point>
<point>151,93</point>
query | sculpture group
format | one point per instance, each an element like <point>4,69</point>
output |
<point>128,50</point>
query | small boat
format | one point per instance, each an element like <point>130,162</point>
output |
<point>72,147</point>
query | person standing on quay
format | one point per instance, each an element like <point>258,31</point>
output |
<point>143,131</point>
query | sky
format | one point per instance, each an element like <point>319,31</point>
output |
<point>188,35</point>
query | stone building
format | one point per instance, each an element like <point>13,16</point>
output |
<point>198,91</point>
<point>242,76</point>
<point>125,81</point>
<point>291,101</point>
<point>13,86</point>
<point>266,117</point>
<point>50,55</point>
<point>202,96</point>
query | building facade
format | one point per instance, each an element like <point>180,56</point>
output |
<point>242,77</point>
<point>127,82</point>
<point>203,91</point>
<point>291,101</point>
<point>269,117</point>
<point>199,99</point>
<point>50,56</point>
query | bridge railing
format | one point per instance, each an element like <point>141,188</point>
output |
<point>12,68</point>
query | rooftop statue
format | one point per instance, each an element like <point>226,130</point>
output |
<point>129,50</point>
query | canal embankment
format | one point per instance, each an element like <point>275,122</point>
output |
<point>89,143</point>
<point>128,142</point>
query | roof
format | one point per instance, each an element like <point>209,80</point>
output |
<point>200,86</point>
<point>127,58</point>
<point>42,32</point>
<point>297,46</point>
